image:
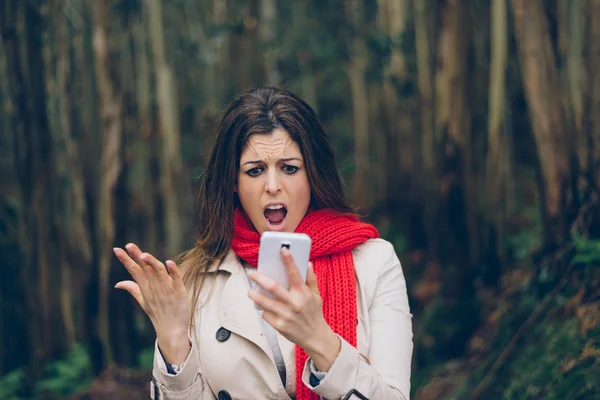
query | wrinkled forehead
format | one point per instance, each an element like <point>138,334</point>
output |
<point>270,147</point>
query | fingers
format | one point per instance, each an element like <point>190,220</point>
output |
<point>293,273</point>
<point>136,254</point>
<point>156,265</point>
<point>132,267</point>
<point>311,279</point>
<point>275,320</point>
<point>147,262</point>
<point>265,302</point>
<point>133,289</point>
<point>271,286</point>
<point>176,275</point>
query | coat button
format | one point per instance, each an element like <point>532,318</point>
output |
<point>222,335</point>
<point>223,395</point>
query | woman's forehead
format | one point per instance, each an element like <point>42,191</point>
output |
<point>270,147</point>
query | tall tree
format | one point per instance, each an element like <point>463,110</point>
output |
<point>453,132</point>
<point>498,156</point>
<point>592,137</point>
<point>396,142</point>
<point>429,180</point>
<point>357,64</point>
<point>542,91</point>
<point>170,157</point>
<point>267,33</point>
<point>23,36</point>
<point>110,163</point>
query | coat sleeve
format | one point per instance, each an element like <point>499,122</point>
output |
<point>388,374</point>
<point>186,384</point>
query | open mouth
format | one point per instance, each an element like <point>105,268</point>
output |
<point>275,215</point>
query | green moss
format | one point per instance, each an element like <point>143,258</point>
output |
<point>548,363</point>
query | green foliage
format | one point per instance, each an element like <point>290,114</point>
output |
<point>587,250</point>
<point>552,361</point>
<point>11,384</point>
<point>522,243</point>
<point>552,364</point>
<point>146,358</point>
<point>69,376</point>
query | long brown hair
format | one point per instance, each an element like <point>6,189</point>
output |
<point>259,111</point>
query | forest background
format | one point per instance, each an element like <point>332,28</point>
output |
<point>467,131</point>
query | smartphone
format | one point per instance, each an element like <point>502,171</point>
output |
<point>270,262</point>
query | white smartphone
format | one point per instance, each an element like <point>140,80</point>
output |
<point>270,262</point>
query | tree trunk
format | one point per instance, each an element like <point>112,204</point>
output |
<point>397,147</point>
<point>497,168</point>
<point>541,86</point>
<point>170,158</point>
<point>243,49</point>
<point>357,65</point>
<point>268,34</point>
<point>85,140</point>
<point>429,180</point>
<point>453,130</point>
<point>571,17</point>
<point>70,216</point>
<point>593,131</point>
<point>110,114</point>
<point>22,34</point>
<point>575,68</point>
<point>304,58</point>
<point>221,72</point>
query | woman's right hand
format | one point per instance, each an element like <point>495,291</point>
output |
<point>162,296</point>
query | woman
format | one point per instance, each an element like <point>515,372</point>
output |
<point>344,333</point>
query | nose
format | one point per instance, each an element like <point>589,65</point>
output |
<point>272,185</point>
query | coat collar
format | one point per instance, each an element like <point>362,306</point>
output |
<point>229,263</point>
<point>237,311</point>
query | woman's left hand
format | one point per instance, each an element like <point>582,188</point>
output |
<point>297,313</point>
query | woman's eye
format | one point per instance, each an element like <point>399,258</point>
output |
<point>290,169</point>
<point>254,171</point>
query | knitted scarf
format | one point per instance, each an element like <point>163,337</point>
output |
<point>334,236</point>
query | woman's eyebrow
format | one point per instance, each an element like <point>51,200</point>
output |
<point>290,159</point>
<point>281,159</point>
<point>252,162</point>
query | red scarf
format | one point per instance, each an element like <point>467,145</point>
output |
<point>334,236</point>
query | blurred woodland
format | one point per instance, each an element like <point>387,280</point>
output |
<point>467,131</point>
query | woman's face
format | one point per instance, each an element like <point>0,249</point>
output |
<point>272,183</point>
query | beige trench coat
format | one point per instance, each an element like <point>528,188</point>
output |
<point>231,357</point>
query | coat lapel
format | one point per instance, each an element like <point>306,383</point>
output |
<point>237,312</point>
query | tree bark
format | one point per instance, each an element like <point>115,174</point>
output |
<point>221,72</point>
<point>21,28</point>
<point>541,86</point>
<point>70,213</point>
<point>170,158</point>
<point>304,58</point>
<point>357,65</point>
<point>424,79</point>
<point>592,156</point>
<point>397,143</point>
<point>110,116</point>
<point>429,179</point>
<point>453,131</point>
<point>267,34</point>
<point>498,160</point>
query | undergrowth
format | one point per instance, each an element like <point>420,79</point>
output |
<point>557,356</point>
<point>62,378</point>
